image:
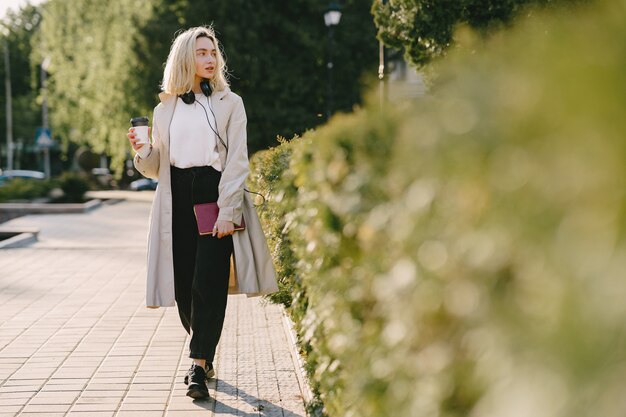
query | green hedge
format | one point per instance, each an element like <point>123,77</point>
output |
<point>270,176</point>
<point>465,254</point>
<point>73,185</point>
<point>24,189</point>
<point>273,204</point>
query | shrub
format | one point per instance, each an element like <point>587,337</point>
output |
<point>24,189</point>
<point>74,187</point>
<point>464,255</point>
<point>267,168</point>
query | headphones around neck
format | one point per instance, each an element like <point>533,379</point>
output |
<point>189,97</point>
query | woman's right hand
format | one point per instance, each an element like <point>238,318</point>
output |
<point>132,138</point>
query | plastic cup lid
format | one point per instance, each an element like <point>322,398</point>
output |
<point>139,121</point>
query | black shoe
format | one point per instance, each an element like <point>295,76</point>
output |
<point>196,378</point>
<point>209,370</point>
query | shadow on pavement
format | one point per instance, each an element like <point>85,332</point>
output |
<point>261,407</point>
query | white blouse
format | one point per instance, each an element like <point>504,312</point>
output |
<point>192,142</point>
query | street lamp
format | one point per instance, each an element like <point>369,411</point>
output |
<point>9,104</point>
<point>331,19</point>
<point>332,15</point>
<point>44,115</point>
<point>382,66</point>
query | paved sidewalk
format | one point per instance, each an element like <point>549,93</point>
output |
<point>76,339</point>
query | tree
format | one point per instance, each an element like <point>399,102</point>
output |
<point>108,58</point>
<point>19,29</point>
<point>276,54</point>
<point>92,82</point>
<point>423,29</point>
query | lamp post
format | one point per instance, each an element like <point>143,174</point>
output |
<point>44,114</point>
<point>382,67</point>
<point>9,104</point>
<point>331,19</point>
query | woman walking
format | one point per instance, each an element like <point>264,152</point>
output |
<point>199,155</point>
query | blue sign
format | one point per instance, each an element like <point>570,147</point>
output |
<point>43,138</point>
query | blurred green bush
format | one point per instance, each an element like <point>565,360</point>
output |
<point>272,199</point>
<point>464,255</point>
<point>18,189</point>
<point>74,186</point>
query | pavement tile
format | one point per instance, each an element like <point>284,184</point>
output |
<point>142,413</point>
<point>112,380</point>
<point>143,406</point>
<point>150,386</point>
<point>106,387</point>
<point>18,388</point>
<point>10,401</point>
<point>104,406</point>
<point>66,381</point>
<point>82,341</point>
<point>147,396</point>
<point>7,394</point>
<point>59,398</point>
<point>53,394</point>
<point>99,400</point>
<point>62,387</point>
<point>88,393</point>
<point>24,382</point>
<point>22,414</point>
<point>188,413</point>
<point>46,414</point>
<point>45,408</point>
<point>90,414</point>
<point>163,399</point>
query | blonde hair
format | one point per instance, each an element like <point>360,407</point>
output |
<point>180,68</point>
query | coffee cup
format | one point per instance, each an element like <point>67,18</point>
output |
<point>141,129</point>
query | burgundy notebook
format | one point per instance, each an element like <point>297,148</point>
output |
<point>206,216</point>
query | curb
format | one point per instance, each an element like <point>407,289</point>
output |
<point>138,196</point>
<point>298,362</point>
<point>49,208</point>
<point>21,238</point>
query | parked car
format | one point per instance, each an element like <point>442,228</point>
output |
<point>7,175</point>
<point>144,184</point>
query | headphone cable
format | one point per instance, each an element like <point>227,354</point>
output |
<point>221,140</point>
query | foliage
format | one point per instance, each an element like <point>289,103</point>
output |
<point>108,57</point>
<point>91,54</point>
<point>276,54</point>
<point>424,29</point>
<point>267,168</point>
<point>271,177</point>
<point>19,28</point>
<point>25,189</point>
<point>464,254</point>
<point>74,187</point>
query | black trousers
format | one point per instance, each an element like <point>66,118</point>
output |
<point>201,263</point>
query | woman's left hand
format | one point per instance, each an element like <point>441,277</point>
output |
<point>223,228</point>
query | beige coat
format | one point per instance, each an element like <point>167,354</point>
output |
<point>253,269</point>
